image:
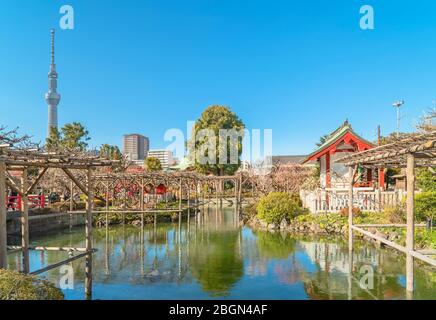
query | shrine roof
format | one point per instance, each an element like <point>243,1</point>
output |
<point>334,138</point>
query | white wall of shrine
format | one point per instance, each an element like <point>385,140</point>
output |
<point>339,176</point>
<point>322,176</point>
<point>339,172</point>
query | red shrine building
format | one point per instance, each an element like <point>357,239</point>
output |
<point>335,176</point>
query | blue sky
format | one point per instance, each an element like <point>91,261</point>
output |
<point>298,67</point>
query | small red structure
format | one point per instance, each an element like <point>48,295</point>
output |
<point>35,201</point>
<point>340,142</point>
<point>161,189</point>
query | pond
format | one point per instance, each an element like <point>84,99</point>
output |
<point>212,257</point>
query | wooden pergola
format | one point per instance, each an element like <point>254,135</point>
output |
<point>81,170</point>
<point>14,160</point>
<point>416,151</point>
<point>187,184</point>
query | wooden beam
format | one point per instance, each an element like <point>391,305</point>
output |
<point>389,225</point>
<point>88,234</point>
<point>394,245</point>
<point>3,229</point>
<point>27,164</point>
<point>410,229</point>
<point>41,248</point>
<point>11,184</point>
<point>77,182</point>
<point>36,181</point>
<point>428,252</point>
<point>61,263</point>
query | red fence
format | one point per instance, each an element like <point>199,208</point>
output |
<point>35,201</point>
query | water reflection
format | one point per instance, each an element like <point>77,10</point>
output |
<point>212,257</point>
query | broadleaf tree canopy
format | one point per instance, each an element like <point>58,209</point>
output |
<point>214,119</point>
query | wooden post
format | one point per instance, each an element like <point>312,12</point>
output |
<point>141,203</point>
<point>142,195</point>
<point>71,204</point>
<point>25,222</point>
<point>189,204</point>
<point>216,192</point>
<point>71,195</point>
<point>180,201</point>
<point>3,230</point>
<point>107,196</point>
<point>410,229</point>
<point>350,209</point>
<point>350,276</point>
<point>88,234</point>
<point>221,191</point>
<point>106,256</point>
<point>107,204</point>
<point>196,199</point>
<point>240,193</point>
<point>236,193</point>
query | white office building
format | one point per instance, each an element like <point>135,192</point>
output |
<point>165,157</point>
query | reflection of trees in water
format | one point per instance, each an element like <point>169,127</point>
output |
<point>214,254</point>
<point>125,254</point>
<point>255,265</point>
<point>275,245</point>
<point>215,261</point>
<point>263,246</point>
<point>149,256</point>
<point>289,271</point>
<point>331,278</point>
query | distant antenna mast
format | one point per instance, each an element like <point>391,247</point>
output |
<point>398,105</point>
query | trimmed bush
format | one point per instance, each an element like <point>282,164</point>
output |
<point>425,205</point>
<point>277,206</point>
<point>18,286</point>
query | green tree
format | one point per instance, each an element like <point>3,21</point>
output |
<point>425,205</point>
<point>322,140</point>
<point>75,136</point>
<point>216,118</point>
<point>53,141</point>
<point>426,180</point>
<point>111,152</point>
<point>72,136</point>
<point>152,164</point>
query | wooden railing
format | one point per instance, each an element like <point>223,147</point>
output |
<point>334,201</point>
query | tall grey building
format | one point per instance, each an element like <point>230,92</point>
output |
<point>135,146</point>
<point>52,97</point>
